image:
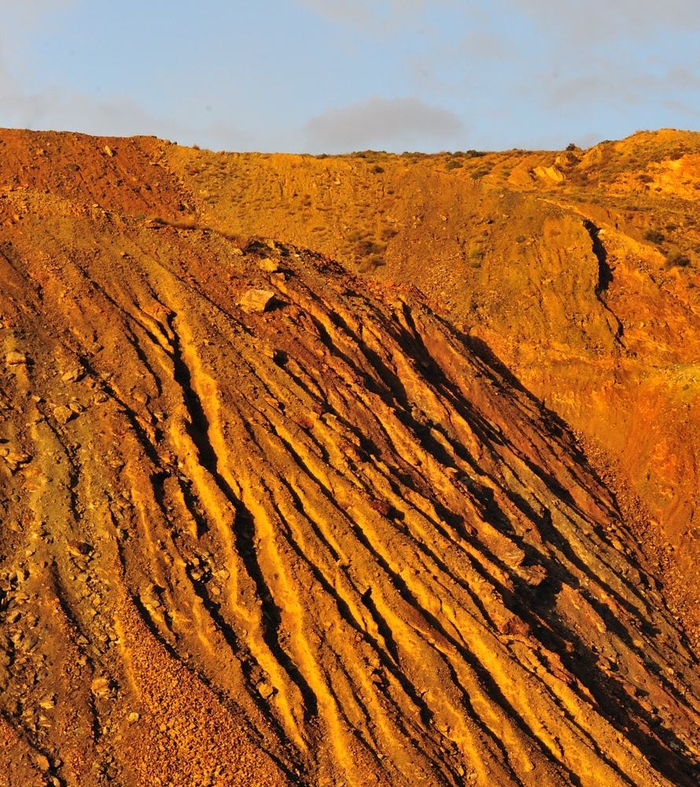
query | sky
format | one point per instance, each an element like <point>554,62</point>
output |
<point>332,76</point>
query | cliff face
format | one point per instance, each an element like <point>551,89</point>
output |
<point>265,521</point>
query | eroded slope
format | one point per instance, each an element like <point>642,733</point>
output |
<point>318,544</point>
<point>578,269</point>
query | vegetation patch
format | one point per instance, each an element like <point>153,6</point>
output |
<point>654,236</point>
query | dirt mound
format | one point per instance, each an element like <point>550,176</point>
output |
<point>266,522</point>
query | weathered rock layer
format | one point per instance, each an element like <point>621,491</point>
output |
<point>264,522</point>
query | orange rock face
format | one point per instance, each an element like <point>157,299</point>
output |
<point>342,530</point>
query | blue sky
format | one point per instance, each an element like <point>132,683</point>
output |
<point>343,75</point>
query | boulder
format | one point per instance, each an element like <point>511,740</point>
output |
<point>256,301</point>
<point>268,265</point>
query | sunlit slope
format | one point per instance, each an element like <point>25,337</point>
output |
<point>578,269</point>
<point>265,523</point>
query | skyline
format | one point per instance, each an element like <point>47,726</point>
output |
<point>337,76</point>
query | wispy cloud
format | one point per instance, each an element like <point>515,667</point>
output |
<point>607,18</point>
<point>61,110</point>
<point>30,13</point>
<point>628,94</point>
<point>366,14</point>
<point>395,124</point>
<point>61,107</point>
<point>392,74</point>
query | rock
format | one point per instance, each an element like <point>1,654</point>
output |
<point>63,414</point>
<point>133,717</point>
<point>533,575</point>
<point>100,687</point>
<point>48,702</point>
<point>256,301</point>
<point>15,358</point>
<point>42,762</point>
<point>265,690</point>
<point>79,548</point>
<point>268,265</point>
<point>278,356</point>
<point>550,173</point>
<point>16,459</point>
<point>73,375</point>
<point>109,151</point>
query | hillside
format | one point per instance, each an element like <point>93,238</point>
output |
<point>271,519</point>
<point>579,270</point>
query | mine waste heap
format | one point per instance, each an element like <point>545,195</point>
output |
<point>355,470</point>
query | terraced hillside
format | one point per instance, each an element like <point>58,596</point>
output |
<point>265,522</point>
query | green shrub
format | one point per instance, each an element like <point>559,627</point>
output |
<point>654,236</point>
<point>677,259</point>
<point>371,264</point>
<point>367,247</point>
